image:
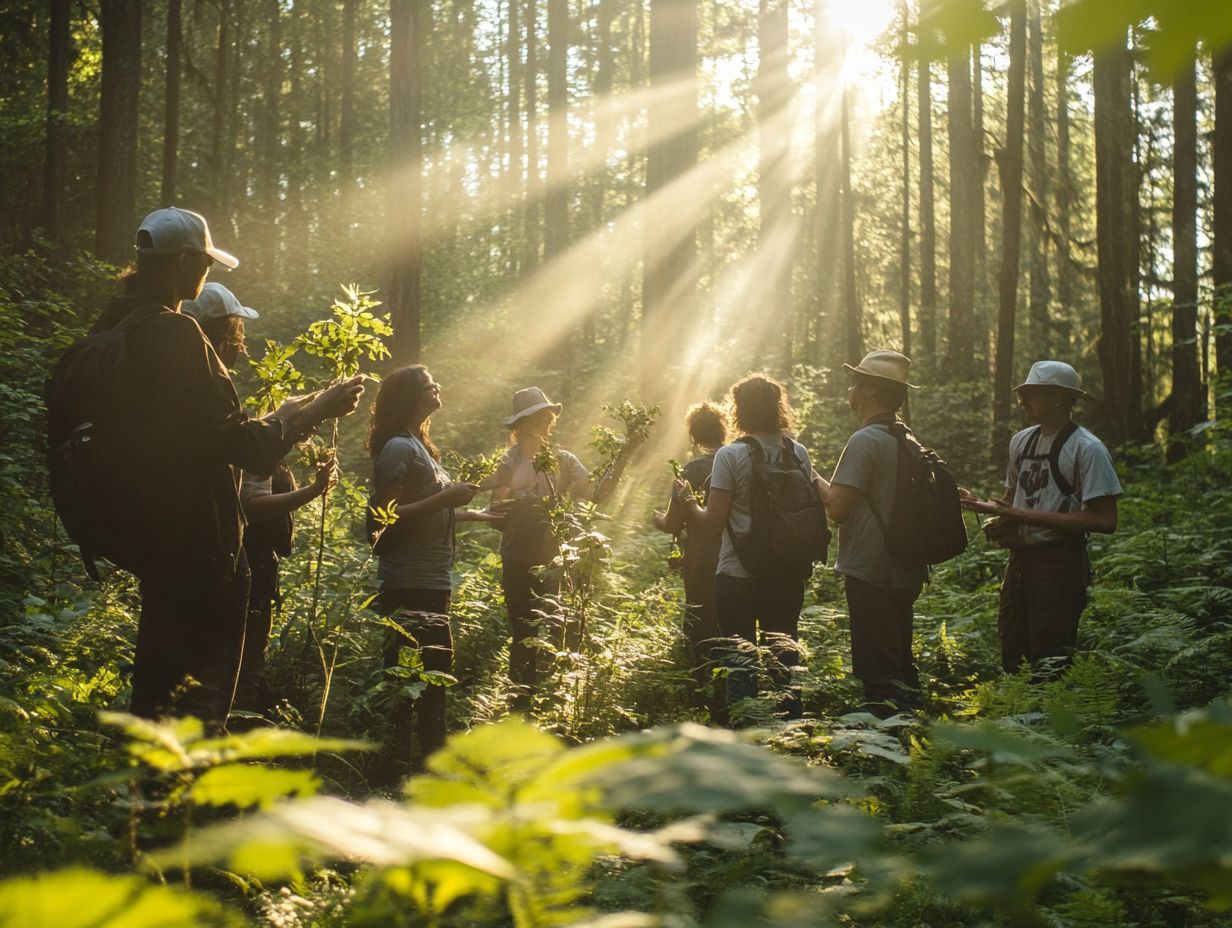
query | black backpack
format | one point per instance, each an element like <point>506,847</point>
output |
<point>925,524</point>
<point>789,532</point>
<point>88,455</point>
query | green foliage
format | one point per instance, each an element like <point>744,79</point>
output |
<point>352,334</point>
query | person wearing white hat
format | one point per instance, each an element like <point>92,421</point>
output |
<point>182,435</point>
<point>222,318</point>
<point>1060,486</point>
<point>530,475</point>
<point>881,590</point>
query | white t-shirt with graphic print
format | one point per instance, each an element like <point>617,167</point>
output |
<point>1084,462</point>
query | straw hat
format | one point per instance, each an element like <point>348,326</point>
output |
<point>884,364</point>
<point>529,401</point>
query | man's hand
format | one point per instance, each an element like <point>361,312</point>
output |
<point>326,476</point>
<point>1003,532</point>
<point>340,400</point>
<point>972,503</point>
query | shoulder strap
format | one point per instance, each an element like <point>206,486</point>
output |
<point>1064,484</point>
<point>1028,449</point>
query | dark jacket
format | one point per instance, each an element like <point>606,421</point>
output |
<point>187,435</point>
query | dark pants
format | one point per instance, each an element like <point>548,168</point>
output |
<point>192,626</point>
<point>740,605</point>
<point>424,614</point>
<point>881,627</point>
<point>532,603</point>
<point>252,694</point>
<point>1042,597</point>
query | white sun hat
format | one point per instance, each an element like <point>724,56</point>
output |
<point>1052,374</point>
<point>215,302</point>
<point>173,230</point>
<point>527,402</point>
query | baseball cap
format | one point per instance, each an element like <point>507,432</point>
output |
<point>173,230</point>
<point>214,302</point>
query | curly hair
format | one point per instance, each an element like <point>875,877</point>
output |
<point>393,411</point>
<point>707,423</point>
<point>225,332</point>
<point>760,404</point>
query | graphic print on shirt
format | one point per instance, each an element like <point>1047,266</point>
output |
<point>1034,477</point>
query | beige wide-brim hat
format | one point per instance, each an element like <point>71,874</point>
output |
<point>884,364</point>
<point>529,401</point>
<point>1053,374</point>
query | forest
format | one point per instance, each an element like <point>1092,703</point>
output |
<point>629,205</point>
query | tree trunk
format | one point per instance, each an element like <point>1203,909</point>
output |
<point>346,126</point>
<point>1064,195</point>
<point>171,104</point>
<point>774,238</point>
<point>854,336</point>
<point>904,244</point>
<point>1039,323</point>
<point>268,154</point>
<point>531,256</point>
<point>669,268</point>
<point>1188,405</point>
<point>964,229</point>
<point>120,21</point>
<point>556,202</point>
<point>59,60</point>
<point>405,198</point>
<point>1011,227</point>
<point>1221,265</point>
<point>928,223</point>
<point>219,122</point>
<point>1114,193</point>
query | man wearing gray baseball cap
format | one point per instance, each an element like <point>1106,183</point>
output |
<point>180,438</point>
<point>1059,487</point>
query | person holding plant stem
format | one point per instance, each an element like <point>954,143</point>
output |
<point>707,426</point>
<point>534,475</point>
<point>416,552</point>
<point>268,501</point>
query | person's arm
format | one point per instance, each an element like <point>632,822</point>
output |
<point>1096,515</point>
<point>450,497</point>
<point>276,505</point>
<point>714,515</point>
<point>480,515</point>
<point>840,500</point>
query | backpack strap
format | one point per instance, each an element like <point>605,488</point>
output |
<point>757,463</point>
<point>1064,484</point>
<point>1029,448</point>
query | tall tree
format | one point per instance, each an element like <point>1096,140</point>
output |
<point>1221,221</point>
<point>116,190</point>
<point>1064,189</point>
<point>928,222</point>
<point>773,90</point>
<point>669,270</point>
<point>220,140</point>
<point>1011,224</point>
<point>826,160</point>
<point>964,231</point>
<point>556,201</point>
<point>1188,400</point>
<point>531,76</point>
<point>171,102</point>
<point>1039,323</point>
<point>268,136</point>
<point>1115,235</point>
<point>346,124</point>
<point>405,217</point>
<point>59,60</point>
<point>904,244</point>
<point>853,328</point>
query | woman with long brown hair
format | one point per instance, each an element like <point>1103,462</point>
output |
<point>415,554</point>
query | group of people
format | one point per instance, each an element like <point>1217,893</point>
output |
<point>225,501</point>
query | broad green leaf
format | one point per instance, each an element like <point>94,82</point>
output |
<point>80,898</point>
<point>1006,866</point>
<point>1201,738</point>
<point>246,785</point>
<point>999,743</point>
<point>380,833</point>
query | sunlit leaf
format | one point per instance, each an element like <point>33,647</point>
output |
<point>246,785</point>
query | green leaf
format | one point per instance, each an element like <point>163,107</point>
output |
<point>80,898</point>
<point>1201,738</point>
<point>246,785</point>
<point>999,743</point>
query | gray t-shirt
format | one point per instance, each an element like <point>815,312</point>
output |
<point>1084,462</point>
<point>404,470</point>
<point>732,471</point>
<point>869,463</point>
